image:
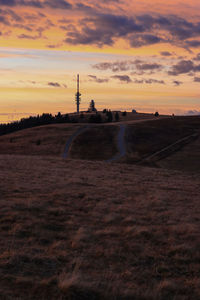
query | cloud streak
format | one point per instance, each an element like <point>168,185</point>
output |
<point>184,67</point>
<point>98,80</point>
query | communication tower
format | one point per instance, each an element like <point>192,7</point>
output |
<point>78,95</point>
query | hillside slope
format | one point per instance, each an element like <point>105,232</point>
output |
<point>89,230</point>
<point>41,140</point>
<point>143,138</point>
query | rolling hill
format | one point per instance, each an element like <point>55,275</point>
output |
<point>82,228</point>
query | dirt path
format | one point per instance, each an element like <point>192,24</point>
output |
<point>167,151</point>
<point>120,139</point>
<point>70,140</point>
<point>120,144</point>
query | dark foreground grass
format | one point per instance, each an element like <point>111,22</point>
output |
<point>90,230</point>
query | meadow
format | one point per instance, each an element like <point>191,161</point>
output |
<point>87,229</point>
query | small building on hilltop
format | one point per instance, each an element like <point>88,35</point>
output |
<point>92,107</point>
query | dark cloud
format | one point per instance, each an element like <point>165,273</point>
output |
<point>98,80</point>
<point>148,81</point>
<point>8,2</point>
<point>4,20</point>
<point>16,17</point>
<point>141,40</point>
<point>28,37</point>
<point>196,79</point>
<point>56,4</point>
<point>193,43</point>
<point>165,53</point>
<point>104,29</point>
<point>101,29</point>
<point>40,31</point>
<point>56,85</point>
<point>147,66</point>
<point>184,67</point>
<point>177,83</point>
<point>114,66</point>
<point>61,4</point>
<point>197,57</point>
<point>53,46</point>
<point>122,78</point>
<point>122,66</point>
<point>21,26</point>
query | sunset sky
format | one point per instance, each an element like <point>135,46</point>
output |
<point>142,55</point>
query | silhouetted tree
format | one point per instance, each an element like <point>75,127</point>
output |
<point>59,118</point>
<point>109,116</point>
<point>156,114</point>
<point>116,116</point>
<point>124,113</point>
<point>24,123</point>
<point>66,118</point>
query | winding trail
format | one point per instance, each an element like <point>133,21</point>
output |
<point>120,144</point>
<point>171,147</point>
<point>70,140</point>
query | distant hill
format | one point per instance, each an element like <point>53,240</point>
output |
<point>143,138</point>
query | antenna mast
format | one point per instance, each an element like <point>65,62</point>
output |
<point>78,95</point>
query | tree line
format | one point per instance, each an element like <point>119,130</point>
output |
<point>33,121</point>
<point>46,119</point>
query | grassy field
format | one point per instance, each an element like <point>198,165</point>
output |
<point>186,159</point>
<point>97,143</point>
<point>146,138</point>
<point>73,229</point>
<point>42,140</point>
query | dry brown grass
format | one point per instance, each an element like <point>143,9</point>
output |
<point>186,159</point>
<point>88,230</point>
<point>145,138</point>
<point>97,143</point>
<point>41,140</point>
